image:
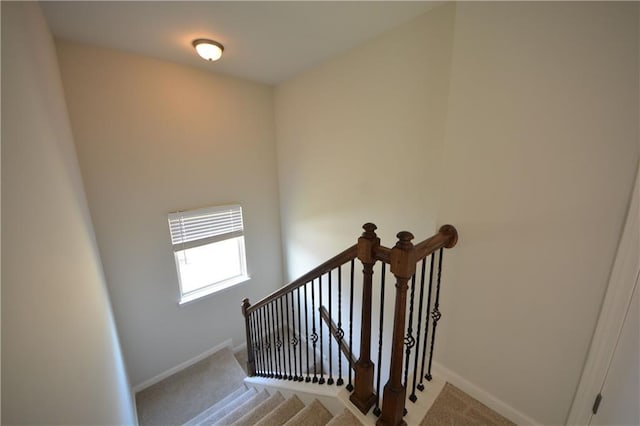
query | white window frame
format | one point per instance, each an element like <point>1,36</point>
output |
<point>200,227</point>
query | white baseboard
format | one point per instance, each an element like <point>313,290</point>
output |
<point>484,397</point>
<point>240,347</point>
<point>152,381</point>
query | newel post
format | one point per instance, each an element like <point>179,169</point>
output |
<point>403,266</point>
<point>251,366</point>
<point>363,396</point>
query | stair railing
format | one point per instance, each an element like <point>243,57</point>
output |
<point>277,340</point>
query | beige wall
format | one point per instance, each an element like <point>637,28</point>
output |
<point>360,139</point>
<point>61,361</point>
<point>541,152</point>
<point>526,141</point>
<point>154,137</point>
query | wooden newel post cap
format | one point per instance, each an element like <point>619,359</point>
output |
<point>404,240</point>
<point>245,306</point>
<point>403,257</point>
<point>452,233</point>
<point>369,230</point>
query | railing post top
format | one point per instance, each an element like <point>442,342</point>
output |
<point>403,256</point>
<point>404,240</point>
<point>367,244</point>
<point>369,230</point>
<point>245,306</point>
<point>452,233</point>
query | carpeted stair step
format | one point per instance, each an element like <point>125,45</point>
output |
<point>240,410</point>
<point>314,414</point>
<point>261,410</point>
<point>224,406</point>
<point>346,418</point>
<point>282,413</point>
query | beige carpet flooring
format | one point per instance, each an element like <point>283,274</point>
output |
<point>179,398</point>
<point>454,407</point>
<point>182,396</point>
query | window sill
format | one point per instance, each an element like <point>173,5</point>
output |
<point>217,288</point>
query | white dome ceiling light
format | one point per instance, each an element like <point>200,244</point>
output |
<point>209,50</point>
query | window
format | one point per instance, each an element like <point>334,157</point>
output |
<point>208,245</point>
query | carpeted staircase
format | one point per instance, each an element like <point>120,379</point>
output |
<point>247,407</point>
<point>214,391</point>
<point>243,405</point>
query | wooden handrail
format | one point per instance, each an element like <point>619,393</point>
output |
<point>344,347</point>
<point>383,254</point>
<point>447,237</point>
<point>340,259</point>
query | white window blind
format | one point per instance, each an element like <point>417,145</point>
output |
<point>203,226</point>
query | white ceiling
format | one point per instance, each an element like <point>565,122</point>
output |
<point>265,41</point>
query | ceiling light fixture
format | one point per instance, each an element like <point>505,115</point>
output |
<point>209,50</point>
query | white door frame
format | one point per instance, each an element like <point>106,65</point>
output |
<point>622,282</point>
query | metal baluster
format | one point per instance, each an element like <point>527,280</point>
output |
<point>314,335</point>
<point>272,341</point>
<point>281,373</point>
<point>258,345</point>
<point>265,324</point>
<point>330,338</point>
<point>300,378</point>
<point>413,397</point>
<point>350,384</point>
<point>263,344</point>
<point>283,307</point>
<point>409,340</point>
<point>321,380</point>
<point>254,343</point>
<point>435,315</point>
<point>294,340</point>
<point>283,357</point>
<point>306,327</point>
<point>426,324</point>
<point>377,410</point>
<point>340,332</point>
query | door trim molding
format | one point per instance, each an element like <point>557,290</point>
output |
<point>626,268</point>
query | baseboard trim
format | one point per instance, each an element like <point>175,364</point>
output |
<point>484,397</point>
<point>239,348</point>
<point>152,381</point>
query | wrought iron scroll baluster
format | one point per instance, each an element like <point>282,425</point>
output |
<point>285,308</point>
<point>413,397</point>
<point>314,335</point>
<point>272,339</point>
<point>254,343</point>
<point>426,323</point>
<point>263,342</point>
<point>300,378</point>
<point>435,315</point>
<point>321,380</point>
<point>294,339</point>
<point>259,347</point>
<point>409,340</point>
<point>265,324</point>
<point>279,342</point>
<point>263,345</point>
<point>306,326</point>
